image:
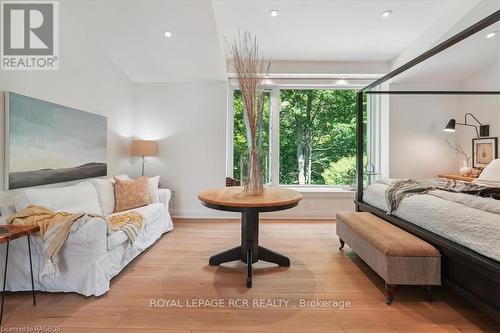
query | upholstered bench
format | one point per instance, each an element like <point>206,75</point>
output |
<point>397,256</point>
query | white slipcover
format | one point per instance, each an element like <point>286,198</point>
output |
<point>89,259</point>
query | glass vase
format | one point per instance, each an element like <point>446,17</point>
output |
<point>465,169</point>
<point>254,171</point>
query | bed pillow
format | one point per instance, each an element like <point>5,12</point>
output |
<point>154,195</point>
<point>106,193</point>
<point>78,198</point>
<point>490,175</point>
<point>131,194</point>
<point>21,201</point>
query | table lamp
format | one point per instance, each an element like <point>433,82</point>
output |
<point>144,148</point>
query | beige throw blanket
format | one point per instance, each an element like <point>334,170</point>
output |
<point>54,229</point>
<point>56,226</point>
<point>130,223</point>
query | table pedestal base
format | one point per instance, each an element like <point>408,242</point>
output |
<point>249,251</point>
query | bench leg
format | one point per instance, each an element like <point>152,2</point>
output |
<point>390,291</point>
<point>428,293</point>
<point>341,244</point>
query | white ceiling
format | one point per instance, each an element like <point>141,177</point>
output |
<point>330,30</point>
<point>131,32</point>
<point>457,63</point>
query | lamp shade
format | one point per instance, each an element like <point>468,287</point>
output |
<point>144,148</point>
<point>450,127</point>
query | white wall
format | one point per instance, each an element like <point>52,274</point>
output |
<point>416,138</point>
<point>417,147</point>
<point>86,80</point>
<point>189,121</point>
<point>485,108</point>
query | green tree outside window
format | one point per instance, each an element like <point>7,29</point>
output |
<point>317,136</point>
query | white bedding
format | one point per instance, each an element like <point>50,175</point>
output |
<point>474,228</point>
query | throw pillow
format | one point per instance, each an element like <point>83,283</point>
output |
<point>154,195</point>
<point>490,175</point>
<point>77,198</point>
<point>491,172</point>
<point>131,194</point>
<point>106,193</point>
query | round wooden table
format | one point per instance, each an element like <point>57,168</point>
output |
<point>233,199</point>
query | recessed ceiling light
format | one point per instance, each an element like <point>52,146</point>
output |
<point>387,13</point>
<point>274,12</point>
<point>491,34</point>
<point>167,34</point>
<point>341,81</point>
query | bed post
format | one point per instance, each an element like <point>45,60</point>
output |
<point>359,147</point>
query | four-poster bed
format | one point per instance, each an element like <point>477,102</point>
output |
<point>467,272</point>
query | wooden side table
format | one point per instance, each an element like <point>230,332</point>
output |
<point>234,200</point>
<point>457,177</point>
<point>10,232</point>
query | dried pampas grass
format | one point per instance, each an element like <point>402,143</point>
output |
<point>250,70</point>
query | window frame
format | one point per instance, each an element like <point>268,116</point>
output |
<point>274,129</point>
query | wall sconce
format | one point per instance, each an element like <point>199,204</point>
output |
<point>484,130</point>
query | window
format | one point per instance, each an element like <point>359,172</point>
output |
<point>313,141</point>
<point>239,131</point>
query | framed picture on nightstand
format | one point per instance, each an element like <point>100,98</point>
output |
<point>484,150</point>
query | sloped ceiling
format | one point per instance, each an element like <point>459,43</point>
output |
<point>455,64</point>
<point>130,33</point>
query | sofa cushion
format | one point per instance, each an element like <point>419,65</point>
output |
<point>78,198</point>
<point>106,193</point>
<point>150,213</point>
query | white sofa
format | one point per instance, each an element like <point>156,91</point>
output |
<point>90,258</point>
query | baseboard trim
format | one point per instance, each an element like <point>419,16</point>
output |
<point>293,214</point>
<point>262,220</point>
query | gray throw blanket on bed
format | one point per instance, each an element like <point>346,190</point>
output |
<point>401,188</point>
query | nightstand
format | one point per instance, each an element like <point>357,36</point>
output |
<point>457,177</point>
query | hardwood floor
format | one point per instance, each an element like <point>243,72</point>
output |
<point>176,267</point>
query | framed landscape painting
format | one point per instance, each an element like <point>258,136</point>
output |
<point>48,143</point>
<point>484,150</point>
